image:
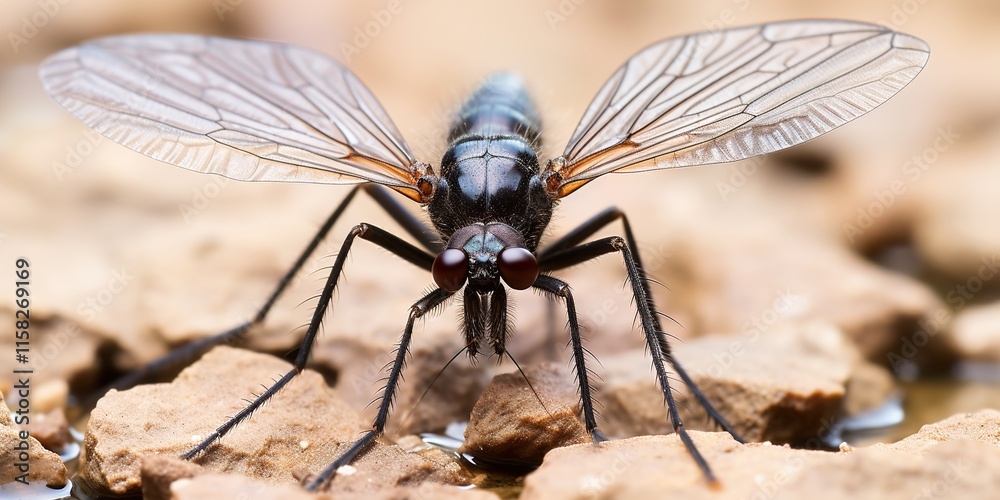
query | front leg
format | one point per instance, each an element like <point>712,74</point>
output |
<point>587,229</point>
<point>560,289</point>
<point>185,354</point>
<point>420,308</point>
<point>558,256</point>
<point>659,349</point>
<point>368,232</point>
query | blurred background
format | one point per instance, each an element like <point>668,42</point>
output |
<point>886,228</point>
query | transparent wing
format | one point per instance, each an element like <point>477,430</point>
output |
<point>728,95</point>
<point>255,111</point>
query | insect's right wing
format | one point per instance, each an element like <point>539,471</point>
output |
<point>728,95</point>
<point>248,110</point>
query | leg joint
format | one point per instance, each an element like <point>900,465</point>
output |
<point>359,230</point>
<point>418,310</point>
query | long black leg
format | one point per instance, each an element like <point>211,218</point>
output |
<point>183,355</point>
<point>550,331</point>
<point>590,227</point>
<point>655,339</point>
<point>412,224</point>
<point>368,232</point>
<point>587,229</point>
<point>573,238</point>
<point>421,307</point>
<point>560,289</point>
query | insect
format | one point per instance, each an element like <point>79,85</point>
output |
<point>259,111</point>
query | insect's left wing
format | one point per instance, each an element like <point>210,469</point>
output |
<point>248,110</point>
<point>728,95</point>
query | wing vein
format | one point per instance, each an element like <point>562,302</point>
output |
<point>698,99</point>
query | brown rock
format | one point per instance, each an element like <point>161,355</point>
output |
<point>982,427</point>
<point>166,477</point>
<point>660,467</point>
<point>955,458</point>
<point>360,362</point>
<point>64,357</point>
<point>299,432</point>
<point>958,212</point>
<point>428,490</point>
<point>44,466</point>
<point>5,419</point>
<point>748,276</point>
<point>50,396</point>
<point>786,386</point>
<point>975,333</point>
<point>159,471</point>
<point>868,387</point>
<point>510,423</point>
<point>208,486</point>
<point>235,486</point>
<point>652,467</point>
<point>415,444</point>
<point>958,469</point>
<point>50,429</point>
<point>387,466</point>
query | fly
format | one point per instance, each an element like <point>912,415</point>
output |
<point>260,111</point>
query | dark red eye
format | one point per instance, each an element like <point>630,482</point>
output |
<point>518,267</point>
<point>450,269</point>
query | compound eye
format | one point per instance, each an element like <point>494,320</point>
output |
<point>518,267</point>
<point>450,269</point>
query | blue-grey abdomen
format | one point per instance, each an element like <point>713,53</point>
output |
<point>490,170</point>
<point>500,106</point>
